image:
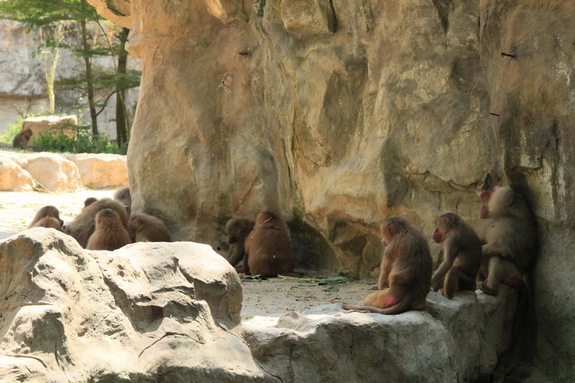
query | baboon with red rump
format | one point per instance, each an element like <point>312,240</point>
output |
<point>148,228</point>
<point>268,248</point>
<point>510,236</point>
<point>405,271</point>
<point>110,233</point>
<point>238,230</point>
<point>461,255</point>
<point>47,212</point>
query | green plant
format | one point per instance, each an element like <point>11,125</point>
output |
<point>81,142</point>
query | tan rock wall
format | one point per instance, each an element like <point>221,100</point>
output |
<point>341,113</point>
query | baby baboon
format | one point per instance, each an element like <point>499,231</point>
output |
<point>510,237</point>
<point>238,230</point>
<point>84,224</point>
<point>461,255</point>
<point>21,139</point>
<point>110,233</point>
<point>147,228</point>
<point>405,271</point>
<point>46,211</point>
<point>268,250</point>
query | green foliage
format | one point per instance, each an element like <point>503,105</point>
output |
<point>81,142</point>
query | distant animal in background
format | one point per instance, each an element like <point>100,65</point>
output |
<point>110,233</point>
<point>125,197</point>
<point>48,211</point>
<point>405,270</point>
<point>82,227</point>
<point>21,139</point>
<point>238,230</point>
<point>510,236</point>
<point>148,228</point>
<point>268,250</point>
<point>461,255</point>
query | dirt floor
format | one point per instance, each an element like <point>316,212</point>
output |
<point>269,297</point>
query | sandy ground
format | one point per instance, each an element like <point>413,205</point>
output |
<point>268,298</point>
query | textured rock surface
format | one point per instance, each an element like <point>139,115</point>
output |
<point>102,170</point>
<point>13,177</point>
<point>144,313</point>
<point>55,172</point>
<point>341,113</point>
<point>170,312</point>
<point>456,341</point>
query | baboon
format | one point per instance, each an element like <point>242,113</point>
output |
<point>110,233</point>
<point>21,139</point>
<point>405,271</point>
<point>46,211</point>
<point>82,227</point>
<point>147,228</point>
<point>90,200</point>
<point>49,223</point>
<point>268,251</point>
<point>238,230</point>
<point>125,197</point>
<point>510,236</point>
<point>461,255</point>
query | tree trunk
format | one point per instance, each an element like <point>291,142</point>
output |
<point>89,76</point>
<point>121,115</point>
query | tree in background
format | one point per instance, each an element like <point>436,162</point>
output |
<point>76,26</point>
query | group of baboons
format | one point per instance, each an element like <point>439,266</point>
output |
<point>106,224</point>
<point>502,251</point>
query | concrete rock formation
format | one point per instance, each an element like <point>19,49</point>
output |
<point>50,125</point>
<point>339,113</point>
<point>170,312</point>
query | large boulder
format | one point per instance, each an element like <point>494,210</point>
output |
<point>147,312</point>
<point>341,113</point>
<point>100,171</point>
<point>50,125</point>
<point>12,176</point>
<point>53,172</point>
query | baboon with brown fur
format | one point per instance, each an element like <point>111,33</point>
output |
<point>268,251</point>
<point>49,223</point>
<point>21,139</point>
<point>238,230</point>
<point>148,228</point>
<point>510,237</point>
<point>110,233</point>
<point>46,211</point>
<point>405,271</point>
<point>84,224</point>
<point>90,200</point>
<point>461,255</point>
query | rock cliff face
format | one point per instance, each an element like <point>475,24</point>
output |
<point>339,113</point>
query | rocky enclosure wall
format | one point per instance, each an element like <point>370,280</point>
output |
<point>340,113</point>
